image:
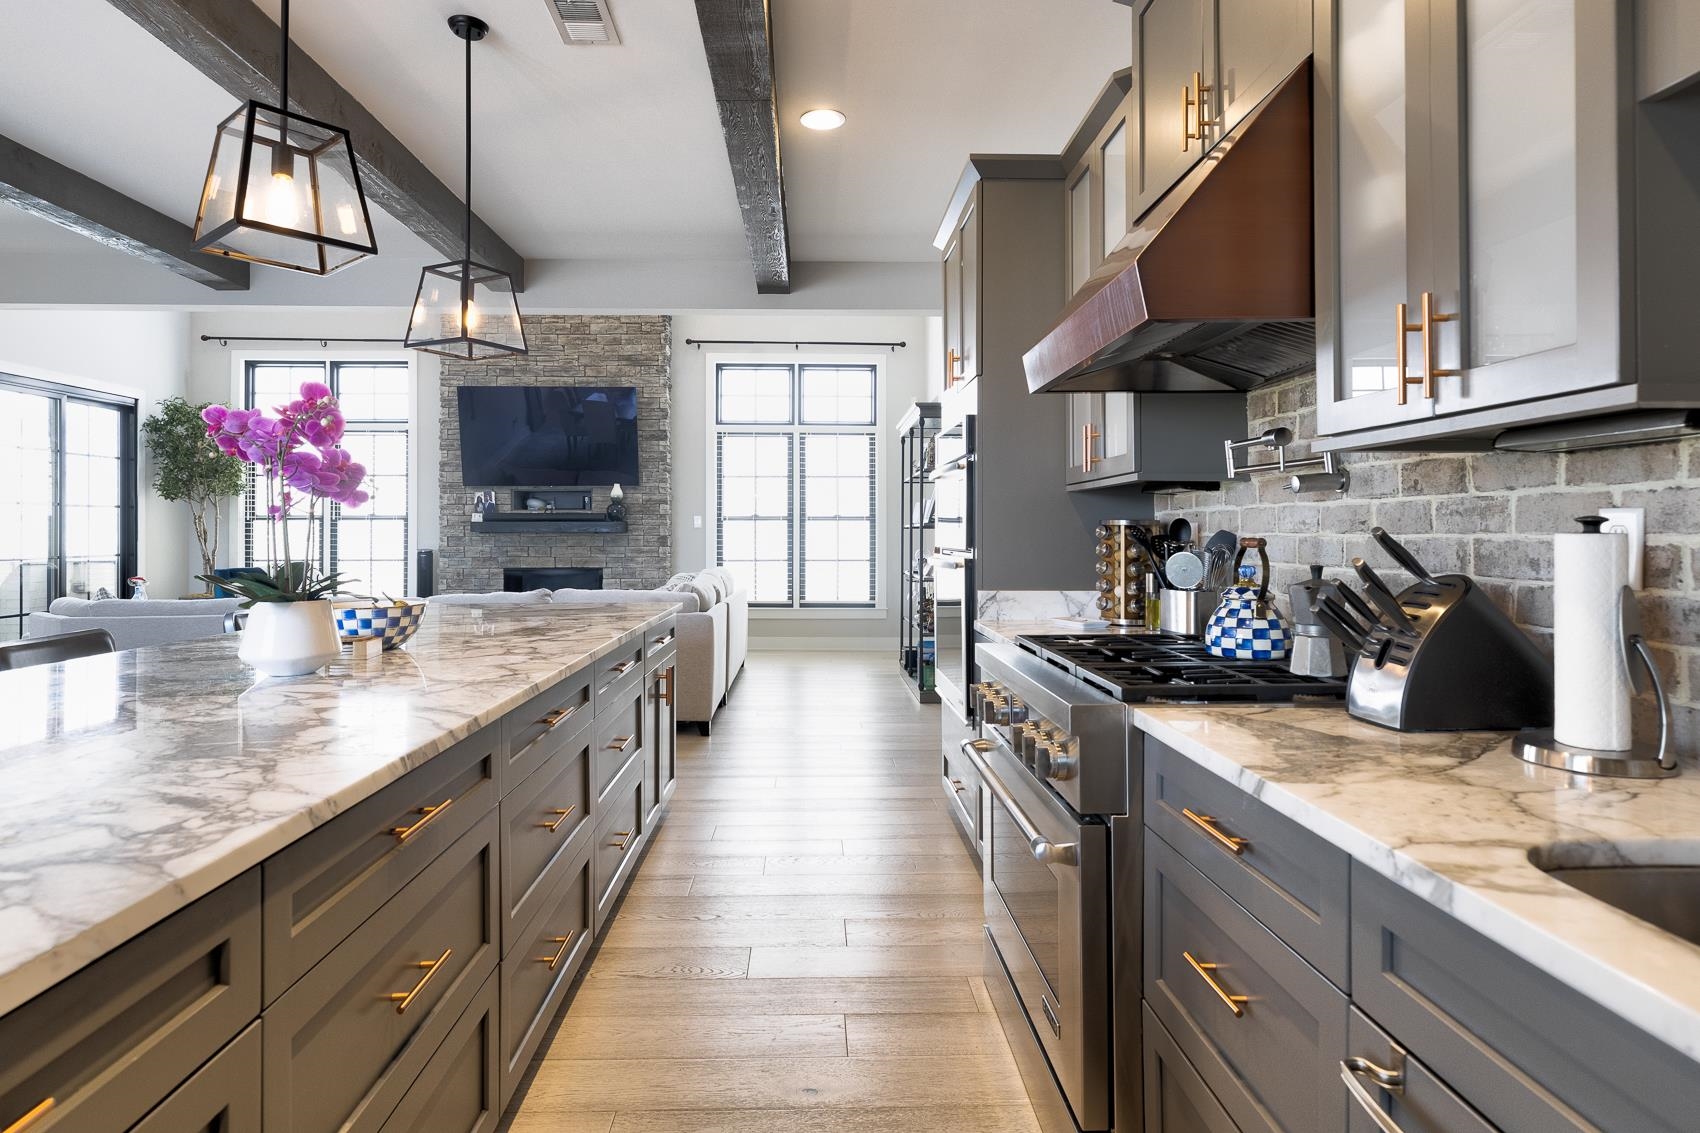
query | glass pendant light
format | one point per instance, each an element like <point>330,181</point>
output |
<point>464,309</point>
<point>283,190</point>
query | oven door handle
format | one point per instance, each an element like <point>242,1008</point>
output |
<point>1044,851</point>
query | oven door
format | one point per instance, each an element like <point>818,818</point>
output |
<point>1048,913</point>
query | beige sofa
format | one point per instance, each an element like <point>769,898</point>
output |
<point>133,623</point>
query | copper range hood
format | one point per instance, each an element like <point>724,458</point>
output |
<point>1214,290</point>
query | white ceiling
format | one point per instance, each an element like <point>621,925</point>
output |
<point>600,153</point>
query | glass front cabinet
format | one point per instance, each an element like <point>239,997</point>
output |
<point>1475,193</point>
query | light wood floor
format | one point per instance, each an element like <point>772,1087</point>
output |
<point>800,951</point>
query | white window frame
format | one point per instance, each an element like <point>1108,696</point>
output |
<point>239,360</point>
<point>760,357</point>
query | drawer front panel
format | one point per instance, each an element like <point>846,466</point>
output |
<point>615,845</point>
<point>1176,1098</point>
<point>1291,880</point>
<point>108,1043</point>
<point>660,740</point>
<point>1526,1051</point>
<point>324,886</point>
<point>1264,1028</point>
<point>537,973</point>
<point>343,1045</point>
<point>963,788</point>
<point>616,675</point>
<point>549,722</point>
<point>1421,1103</point>
<point>662,646</point>
<point>544,821</point>
<point>619,735</point>
<point>222,1097</point>
<point>457,1092</point>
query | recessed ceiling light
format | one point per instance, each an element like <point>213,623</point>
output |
<point>822,119</point>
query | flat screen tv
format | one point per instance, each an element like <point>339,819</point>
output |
<point>544,436</point>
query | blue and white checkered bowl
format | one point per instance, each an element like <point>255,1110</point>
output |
<point>394,623</point>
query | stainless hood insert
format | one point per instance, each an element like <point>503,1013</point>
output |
<point>1215,289</point>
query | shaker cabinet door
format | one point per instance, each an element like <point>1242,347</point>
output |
<point>968,243</point>
<point>1169,64</point>
<point>1258,43</point>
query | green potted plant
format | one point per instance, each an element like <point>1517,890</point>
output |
<point>188,466</point>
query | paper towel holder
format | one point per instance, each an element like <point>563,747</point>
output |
<point>1642,760</point>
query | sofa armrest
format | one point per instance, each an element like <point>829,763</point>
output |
<point>702,664</point>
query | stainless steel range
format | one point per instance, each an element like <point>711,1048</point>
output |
<point>1061,854</point>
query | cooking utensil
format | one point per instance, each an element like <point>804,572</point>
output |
<point>1383,597</point>
<point>1180,530</point>
<point>1186,612</point>
<point>1186,570</point>
<point>1219,550</point>
<point>1399,553</point>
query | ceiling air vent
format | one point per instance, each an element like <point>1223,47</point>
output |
<point>584,23</point>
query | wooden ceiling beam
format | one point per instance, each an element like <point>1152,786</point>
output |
<point>235,44</point>
<point>738,37</point>
<point>37,184</point>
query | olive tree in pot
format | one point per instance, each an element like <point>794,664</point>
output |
<point>188,466</point>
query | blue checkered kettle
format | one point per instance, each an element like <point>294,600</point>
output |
<point>1246,626</point>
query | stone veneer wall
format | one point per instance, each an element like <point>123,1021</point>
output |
<point>1489,515</point>
<point>588,350</point>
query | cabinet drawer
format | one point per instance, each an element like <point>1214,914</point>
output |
<point>326,885</point>
<point>544,821</point>
<point>342,1046</point>
<point>1287,877</point>
<point>457,1090</point>
<point>1176,1098</point>
<point>543,726</point>
<point>661,645</point>
<point>1421,1103</point>
<point>1272,1052</point>
<point>618,736</point>
<point>614,847</point>
<point>1525,1050</point>
<point>617,674</point>
<point>222,1097</point>
<point>963,788</point>
<point>540,968</point>
<point>109,1042</point>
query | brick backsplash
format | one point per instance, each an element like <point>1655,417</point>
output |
<point>1489,515</point>
<point>625,350</point>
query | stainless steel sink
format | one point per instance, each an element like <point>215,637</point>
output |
<point>1667,896</point>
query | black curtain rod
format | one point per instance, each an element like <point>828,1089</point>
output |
<point>227,339</point>
<point>699,343</point>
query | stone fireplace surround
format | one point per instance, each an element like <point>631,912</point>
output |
<point>591,350</point>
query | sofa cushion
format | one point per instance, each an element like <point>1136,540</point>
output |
<point>707,595</point>
<point>493,598</point>
<point>728,582</point>
<point>684,599</point>
<point>144,608</point>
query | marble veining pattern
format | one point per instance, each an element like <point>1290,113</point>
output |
<point>132,784</point>
<point>1456,819</point>
<point>1006,630</point>
<point>1036,604</point>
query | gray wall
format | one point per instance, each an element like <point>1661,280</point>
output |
<point>1489,515</point>
<point>581,350</point>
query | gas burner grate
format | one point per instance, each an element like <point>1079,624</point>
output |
<point>1135,668</point>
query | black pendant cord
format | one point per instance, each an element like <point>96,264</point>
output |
<point>283,84</point>
<point>466,228</point>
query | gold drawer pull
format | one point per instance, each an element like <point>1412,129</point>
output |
<point>1402,326</point>
<point>666,692</point>
<point>565,943</point>
<point>1204,970</point>
<point>404,999</point>
<point>663,639</point>
<point>1204,822</point>
<point>620,669</point>
<point>1430,371</point>
<point>625,837</point>
<point>428,815</point>
<point>30,1118</point>
<point>552,719</point>
<point>560,817</point>
<point>956,785</point>
<point>621,743</point>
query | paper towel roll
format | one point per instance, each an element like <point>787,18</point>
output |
<point>1591,686</point>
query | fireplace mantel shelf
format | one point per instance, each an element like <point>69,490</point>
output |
<point>512,524</point>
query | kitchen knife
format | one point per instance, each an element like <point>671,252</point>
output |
<point>1354,642</point>
<point>1399,554</point>
<point>1383,597</point>
<point>1365,612</point>
<point>1328,602</point>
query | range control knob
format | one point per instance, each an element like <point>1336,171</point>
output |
<point>1054,760</point>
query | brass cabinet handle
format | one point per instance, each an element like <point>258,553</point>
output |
<point>1206,823</point>
<point>956,785</point>
<point>1403,326</point>
<point>1187,103</point>
<point>39,1111</point>
<point>624,836</point>
<point>560,817</point>
<point>556,717</point>
<point>1203,89</point>
<point>663,639</point>
<point>1204,970</point>
<point>1190,103</point>
<point>404,999</point>
<point>621,743</point>
<point>951,368</point>
<point>1392,1081</point>
<point>1430,372</point>
<point>428,815</point>
<point>665,692</point>
<point>1088,435</point>
<point>565,943</point>
<point>620,669</point>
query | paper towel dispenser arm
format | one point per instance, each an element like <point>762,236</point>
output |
<point>1629,619</point>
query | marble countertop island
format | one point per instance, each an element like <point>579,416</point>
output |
<point>133,783</point>
<point>1456,819</point>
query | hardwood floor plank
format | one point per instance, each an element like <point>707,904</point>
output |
<point>965,1033</point>
<point>957,864</point>
<point>706,1036</point>
<point>860,883</point>
<point>925,1119</point>
<point>797,961</point>
<point>674,963</point>
<point>738,932</point>
<point>701,843</point>
<point>807,905</point>
<point>917,841</point>
<point>626,995</point>
<point>667,862</point>
<point>900,826</point>
<point>642,886</point>
<point>528,1120</point>
<point>897,930</point>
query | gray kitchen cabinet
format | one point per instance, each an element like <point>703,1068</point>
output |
<point>1176,1098</point>
<point>1150,438</point>
<point>962,296</point>
<point>540,967</point>
<point>1096,191</point>
<point>614,846</point>
<point>1100,432</point>
<point>617,677</point>
<point>619,739</point>
<point>548,722</point>
<point>1414,1099</point>
<point>967,794</point>
<point>1667,46</point>
<point>659,750</point>
<point>546,820</point>
<point>221,1097</point>
<point>459,1091</point>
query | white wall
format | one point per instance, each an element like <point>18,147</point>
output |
<point>139,354</point>
<point>908,376</point>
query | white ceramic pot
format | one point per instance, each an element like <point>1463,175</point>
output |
<point>289,639</point>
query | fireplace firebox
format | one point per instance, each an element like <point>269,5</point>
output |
<point>551,578</point>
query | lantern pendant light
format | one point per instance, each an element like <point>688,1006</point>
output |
<point>283,190</point>
<point>465,309</point>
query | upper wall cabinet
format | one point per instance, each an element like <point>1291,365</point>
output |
<point>1199,66</point>
<point>1095,189</point>
<point>1484,176</point>
<point>961,260</point>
